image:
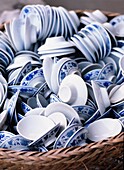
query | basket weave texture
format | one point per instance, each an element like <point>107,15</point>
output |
<point>103,155</point>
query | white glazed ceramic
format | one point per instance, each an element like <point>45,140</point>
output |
<point>99,14</point>
<point>36,111</point>
<point>67,110</point>
<point>86,20</point>
<point>73,90</point>
<point>118,95</point>
<point>112,89</point>
<point>58,117</point>
<point>105,97</point>
<point>103,128</point>
<point>32,127</point>
<point>101,97</point>
<point>16,36</point>
<point>47,63</point>
<point>58,53</point>
<point>55,43</point>
<point>74,17</point>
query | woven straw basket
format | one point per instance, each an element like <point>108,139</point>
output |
<point>107,154</point>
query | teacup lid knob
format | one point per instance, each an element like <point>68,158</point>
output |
<point>67,94</point>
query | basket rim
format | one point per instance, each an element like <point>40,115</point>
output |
<point>63,152</point>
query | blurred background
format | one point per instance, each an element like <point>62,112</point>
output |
<point>106,5</point>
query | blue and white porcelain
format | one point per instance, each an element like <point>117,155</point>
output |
<point>42,149</point>
<point>54,73</point>
<point>107,72</point>
<point>11,107</point>
<point>118,106</point>
<point>92,103</point>
<point>117,23</point>
<point>104,83</point>
<point>77,40</point>
<point>91,75</point>
<point>3,93</point>
<point>25,108</point>
<point>73,121</point>
<point>33,126</point>
<point>67,68</point>
<point>91,67</point>
<point>101,97</point>
<point>108,113</point>
<point>21,60</point>
<point>46,139</point>
<point>45,15</point>
<point>5,135</point>
<point>121,44</point>
<point>58,73</point>
<point>25,91</point>
<point>47,62</point>
<point>85,112</point>
<point>54,98</point>
<point>19,116</point>
<point>55,43</point>
<point>65,135</point>
<point>7,47</point>
<point>24,70</point>
<point>12,76</point>
<point>78,138</point>
<point>15,142</point>
<point>43,89</point>
<point>121,113</point>
<point>33,78</point>
<point>105,36</point>
<point>88,44</point>
<point>115,114</point>
<point>117,19</point>
<point>95,116</point>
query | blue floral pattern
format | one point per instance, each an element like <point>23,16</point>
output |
<point>65,135</point>
<point>66,68</point>
<point>5,135</point>
<point>16,141</point>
